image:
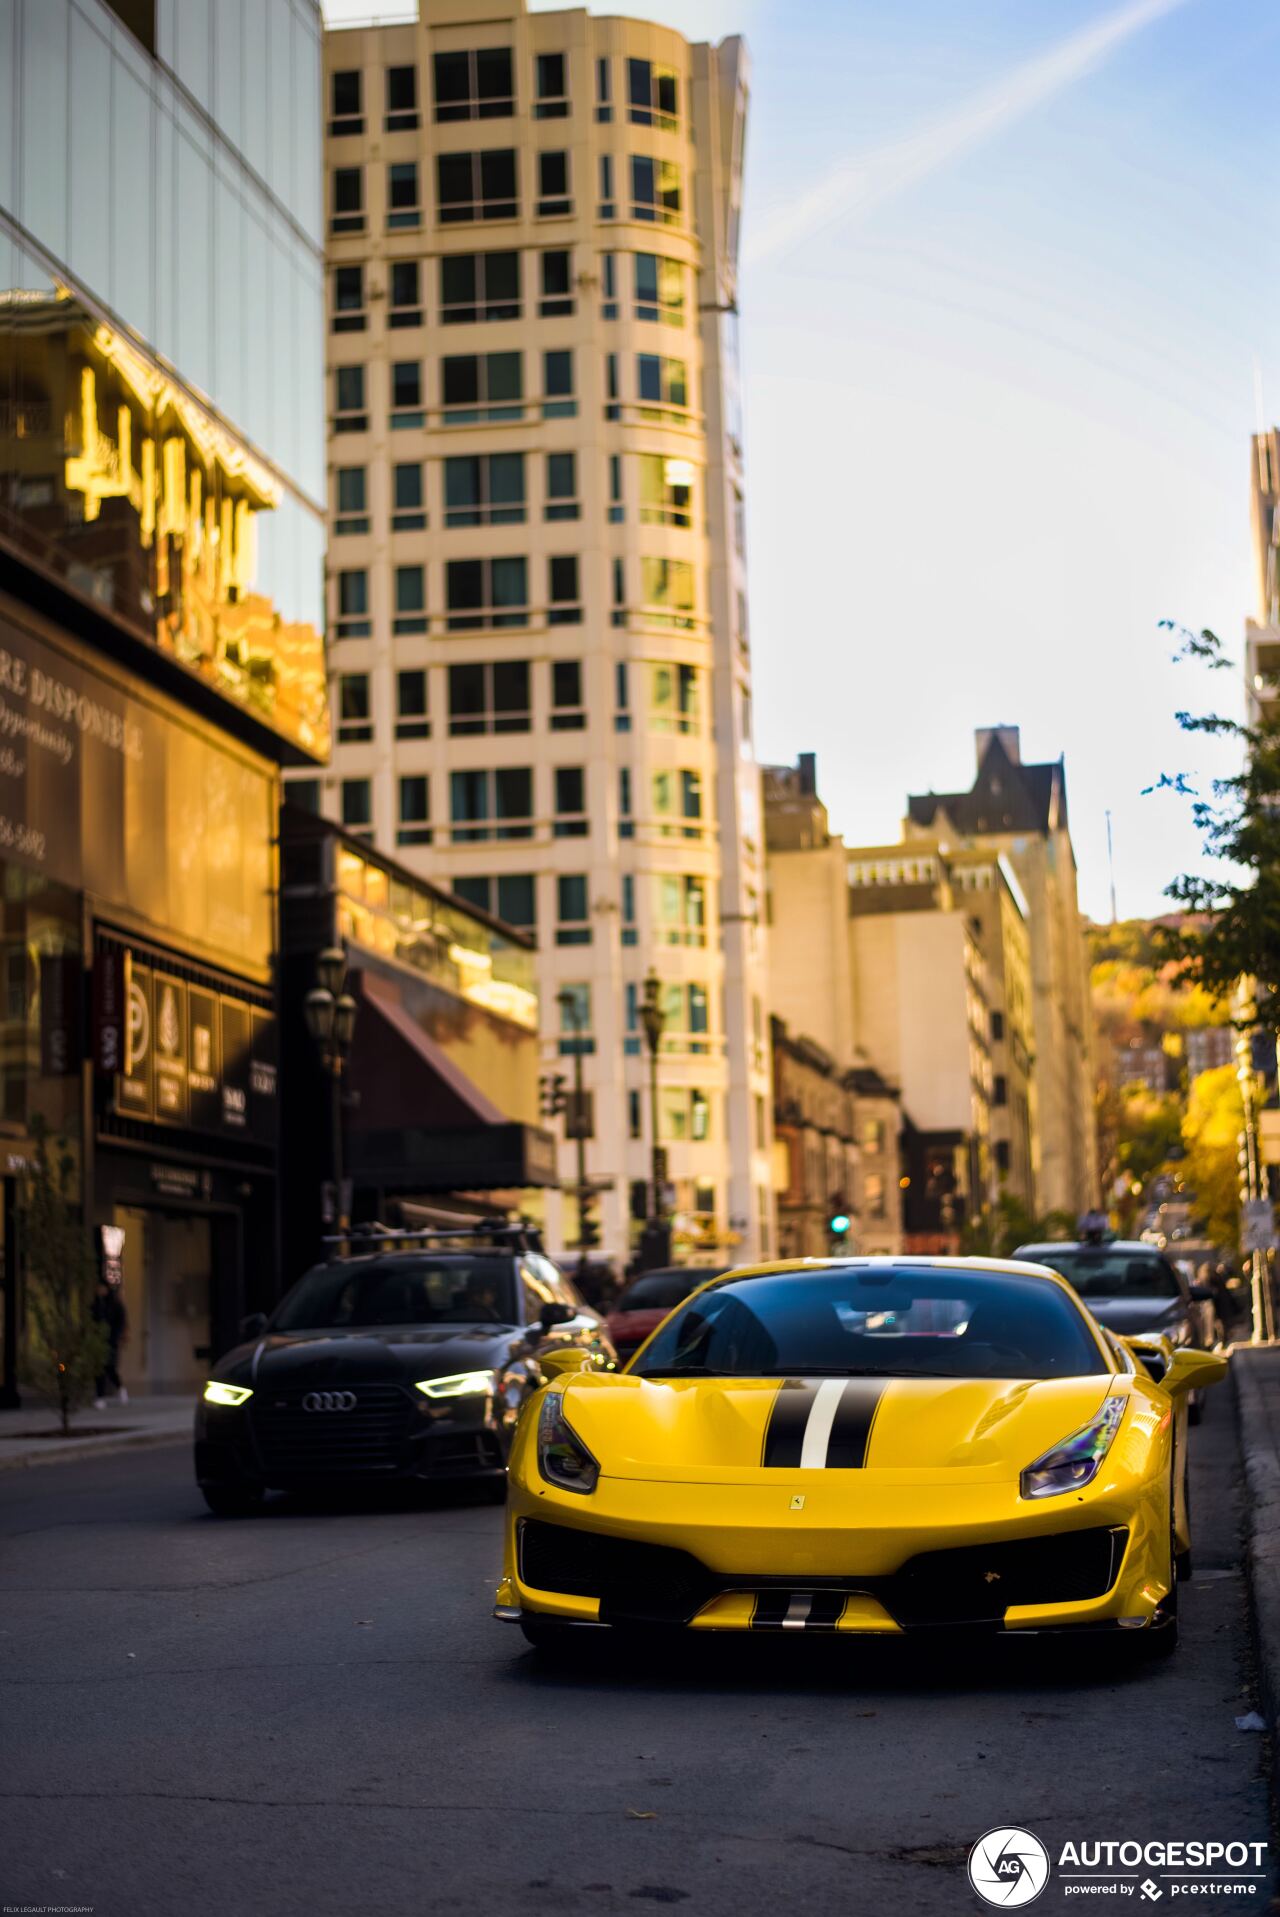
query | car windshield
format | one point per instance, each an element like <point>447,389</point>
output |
<point>400,1290</point>
<point>909,1321</point>
<point>1109,1273</point>
<point>659,1290</point>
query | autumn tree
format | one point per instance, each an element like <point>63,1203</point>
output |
<point>65,1347</point>
<point>1210,1134</point>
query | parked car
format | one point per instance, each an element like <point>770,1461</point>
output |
<point>647,1300</point>
<point>410,1358</point>
<point>1135,1291</point>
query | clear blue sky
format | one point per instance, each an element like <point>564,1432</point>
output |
<point>1012,283</point>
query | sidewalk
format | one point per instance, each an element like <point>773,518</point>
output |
<point>30,1436</point>
<point>1255,1371</point>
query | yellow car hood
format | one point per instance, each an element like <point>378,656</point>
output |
<point>743,1430</point>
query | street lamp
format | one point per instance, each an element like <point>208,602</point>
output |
<point>655,1249</point>
<point>331,1021</point>
<point>571,1010</point>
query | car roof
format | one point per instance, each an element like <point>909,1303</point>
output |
<point>1086,1244</point>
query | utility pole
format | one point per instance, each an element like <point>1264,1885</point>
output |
<point>1111,868</point>
<point>578,1127</point>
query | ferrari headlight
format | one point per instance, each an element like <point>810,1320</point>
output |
<point>563,1459</point>
<point>215,1393</point>
<point>1078,1459</point>
<point>459,1384</point>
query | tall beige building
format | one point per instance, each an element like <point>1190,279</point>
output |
<point>1020,810</point>
<point>541,673</point>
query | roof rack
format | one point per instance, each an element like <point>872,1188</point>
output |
<point>518,1236</point>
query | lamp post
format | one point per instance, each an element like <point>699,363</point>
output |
<point>654,1249</point>
<point>576,1120</point>
<point>331,1021</point>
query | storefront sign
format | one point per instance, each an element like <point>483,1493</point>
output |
<point>108,1008</point>
<point>111,1253</point>
<point>171,1050</point>
<point>204,1059</point>
<point>134,1080</point>
<point>59,1014</point>
<point>236,1064</point>
<point>181,1181</point>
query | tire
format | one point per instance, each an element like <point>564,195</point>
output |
<point>494,1490</point>
<point>1160,1641</point>
<point>232,1500</point>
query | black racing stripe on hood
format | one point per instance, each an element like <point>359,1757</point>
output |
<point>784,1433</point>
<point>851,1427</point>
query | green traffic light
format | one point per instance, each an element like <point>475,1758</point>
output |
<point>840,1223</point>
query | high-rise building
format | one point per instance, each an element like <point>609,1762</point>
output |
<point>161,560</point>
<point>538,609</point>
<point>1020,810</point>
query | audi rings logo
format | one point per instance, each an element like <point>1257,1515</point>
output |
<point>329,1401</point>
<point>1008,1867</point>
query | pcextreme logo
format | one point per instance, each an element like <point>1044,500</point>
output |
<point>1009,1867</point>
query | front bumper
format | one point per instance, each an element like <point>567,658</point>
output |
<point>879,1557</point>
<point>387,1440</point>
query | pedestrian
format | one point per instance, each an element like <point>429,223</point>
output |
<point>109,1312</point>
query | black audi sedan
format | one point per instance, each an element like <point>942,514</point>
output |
<point>407,1359</point>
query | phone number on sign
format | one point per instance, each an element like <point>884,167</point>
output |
<point>15,837</point>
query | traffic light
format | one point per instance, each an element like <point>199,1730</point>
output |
<point>553,1095</point>
<point>838,1223</point>
<point>588,1223</point>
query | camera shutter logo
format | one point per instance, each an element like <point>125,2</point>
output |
<point>1008,1867</point>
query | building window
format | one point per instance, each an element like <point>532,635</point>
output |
<point>485,489</point>
<point>491,805</point>
<point>551,93</point>
<point>411,705</point>
<point>479,286</point>
<point>573,925</point>
<point>678,795</point>
<point>357,804</point>
<point>351,514</point>
<point>557,285</point>
<point>608,207</point>
<point>630,932</point>
<point>402,99</point>
<point>346,111</point>
<point>564,599</point>
<point>414,828</point>
<point>684,1117</point>
<point>666,593</point>
<point>570,786</point>
<point>612,410</point>
<point>486,592</point>
<point>1000,1091</point>
<point>562,487</point>
<point>349,415</point>
<point>407,500</point>
<point>353,605</point>
<point>873,1136</point>
<point>411,599</point>
<point>482,388</point>
<point>489,698</point>
<point>666,490</point>
<point>404,206</point>
<point>621,697</point>
<point>512,898</point>
<point>661,383</point>
<point>474,86</point>
<point>675,703</point>
<point>1004,1156</point>
<point>604,91</point>
<point>873,1194</point>
<point>557,386</point>
<point>762,1123</point>
<point>406,395</point>
<point>567,711</point>
<point>655,189</point>
<point>355,726</point>
<point>347,215</point>
<point>997,1026</point>
<point>476,186</point>
<point>659,289</point>
<point>651,95</point>
<point>617,511</point>
<point>618,616</point>
<point>348,299</point>
<point>304,793</point>
<point>553,200</point>
<point>406,294</point>
<point>635,1129</point>
<point>626,823</point>
<point>681,910</point>
<point>609,286</point>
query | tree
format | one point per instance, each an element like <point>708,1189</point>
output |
<point>65,1346</point>
<point>1234,931</point>
<point>1210,1131</point>
<point>1010,1223</point>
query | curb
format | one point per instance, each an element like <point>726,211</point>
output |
<point>1251,1365</point>
<point>76,1451</point>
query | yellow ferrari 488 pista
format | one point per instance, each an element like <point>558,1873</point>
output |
<point>859,1445</point>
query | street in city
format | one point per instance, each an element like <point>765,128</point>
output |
<point>313,1710</point>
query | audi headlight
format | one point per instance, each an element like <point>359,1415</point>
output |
<point>459,1384</point>
<point>563,1459</point>
<point>215,1393</point>
<point>1078,1459</point>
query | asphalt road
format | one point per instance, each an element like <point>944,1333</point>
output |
<point>313,1711</point>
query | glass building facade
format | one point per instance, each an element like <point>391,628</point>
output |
<point>161,625</point>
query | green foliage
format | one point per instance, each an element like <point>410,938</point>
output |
<point>1011,1223</point>
<point>1235,931</point>
<point>65,1347</point>
<point>1210,1131</point>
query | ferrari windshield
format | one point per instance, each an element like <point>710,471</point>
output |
<point>908,1321</point>
<point>1110,1273</point>
<point>448,1289</point>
